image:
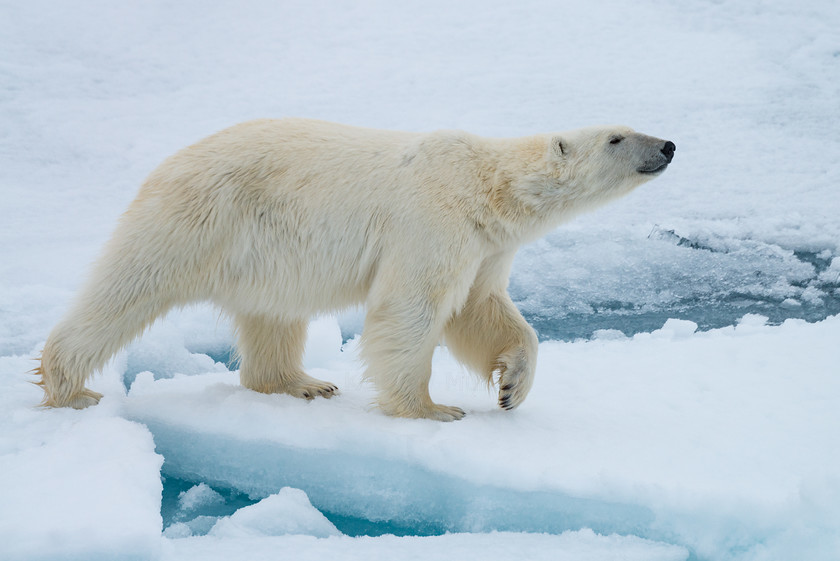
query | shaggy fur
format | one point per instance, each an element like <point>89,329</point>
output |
<point>276,221</point>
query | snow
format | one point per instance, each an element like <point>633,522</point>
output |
<point>74,485</point>
<point>582,545</point>
<point>669,418</point>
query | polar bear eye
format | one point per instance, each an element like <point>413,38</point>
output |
<point>616,139</point>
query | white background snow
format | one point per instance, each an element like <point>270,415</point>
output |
<point>662,442</point>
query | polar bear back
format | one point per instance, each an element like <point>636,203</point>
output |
<point>304,211</point>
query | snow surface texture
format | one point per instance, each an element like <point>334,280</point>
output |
<point>669,444</point>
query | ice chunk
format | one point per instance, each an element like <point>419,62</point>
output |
<point>178,530</point>
<point>75,484</point>
<point>199,496</point>
<point>198,526</point>
<point>608,334</point>
<point>813,295</point>
<point>831,275</point>
<point>752,320</point>
<point>286,512</point>
<point>676,329</point>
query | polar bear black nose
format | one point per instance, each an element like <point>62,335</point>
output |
<point>668,150</point>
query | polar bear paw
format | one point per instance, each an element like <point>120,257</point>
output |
<point>445,413</point>
<point>425,410</point>
<point>310,388</point>
<point>81,400</point>
<point>515,378</point>
<point>85,399</point>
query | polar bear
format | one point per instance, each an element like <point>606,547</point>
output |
<point>275,221</point>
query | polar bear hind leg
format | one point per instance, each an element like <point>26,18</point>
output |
<point>108,314</point>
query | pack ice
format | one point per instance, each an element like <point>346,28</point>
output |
<point>685,404</point>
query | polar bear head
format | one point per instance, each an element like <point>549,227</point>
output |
<point>588,167</point>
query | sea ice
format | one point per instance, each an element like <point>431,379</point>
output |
<point>198,496</point>
<point>720,442</point>
<point>286,512</point>
<point>663,446</point>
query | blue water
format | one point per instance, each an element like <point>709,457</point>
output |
<point>707,315</point>
<point>710,308</point>
<point>354,526</point>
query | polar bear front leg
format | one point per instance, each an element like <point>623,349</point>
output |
<point>272,357</point>
<point>398,341</point>
<point>490,336</point>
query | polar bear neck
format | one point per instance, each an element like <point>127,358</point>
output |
<point>526,195</point>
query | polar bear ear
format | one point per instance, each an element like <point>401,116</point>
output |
<point>559,146</point>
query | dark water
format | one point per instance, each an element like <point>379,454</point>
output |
<point>707,315</point>
<point>709,309</point>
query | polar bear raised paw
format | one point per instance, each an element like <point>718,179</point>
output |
<point>515,378</point>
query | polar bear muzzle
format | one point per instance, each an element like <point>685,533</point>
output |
<point>660,160</point>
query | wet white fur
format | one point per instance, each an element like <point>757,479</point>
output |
<point>276,221</point>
